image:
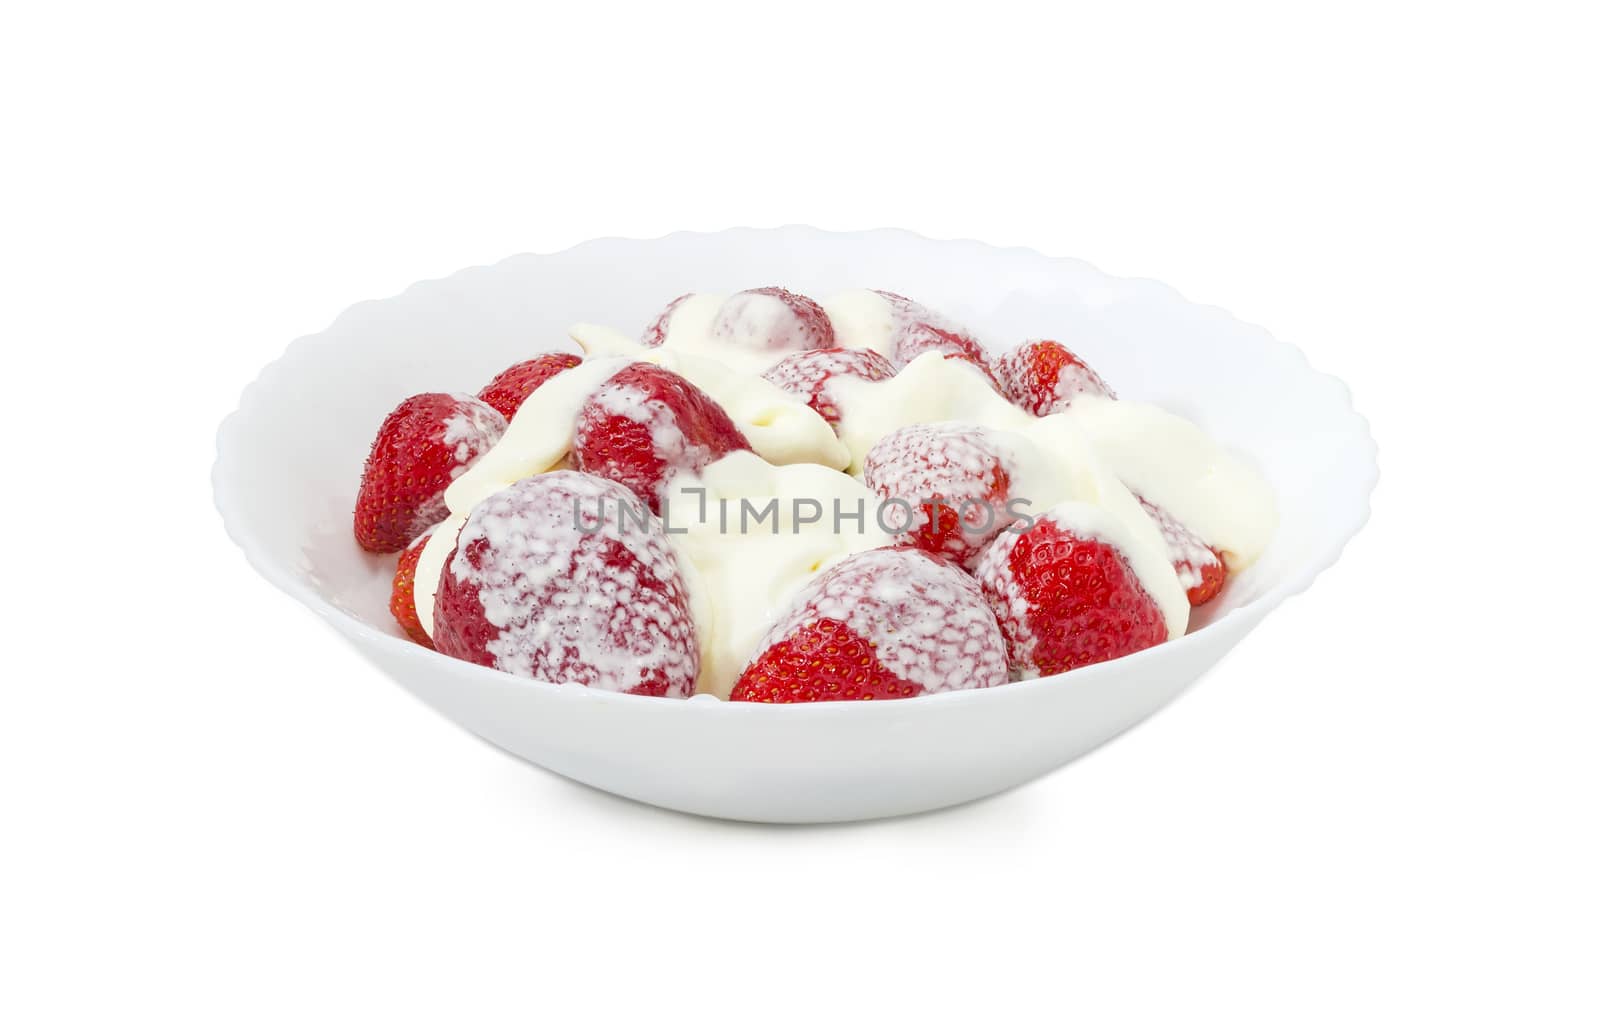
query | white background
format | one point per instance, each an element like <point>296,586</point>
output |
<point>1381,806</point>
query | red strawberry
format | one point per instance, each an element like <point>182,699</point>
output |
<point>656,333</point>
<point>1043,376</point>
<point>880,625</point>
<point>918,329</point>
<point>772,318</point>
<point>647,423</point>
<point>1065,600</point>
<point>554,579</point>
<point>423,445</point>
<point>403,594</point>
<point>1200,568</point>
<point>955,477</point>
<point>807,374</point>
<point>506,392</point>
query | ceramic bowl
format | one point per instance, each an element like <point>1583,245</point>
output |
<point>289,460</point>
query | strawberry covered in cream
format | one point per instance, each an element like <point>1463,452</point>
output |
<point>771,498</point>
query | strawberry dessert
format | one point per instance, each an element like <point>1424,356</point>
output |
<point>766,497</point>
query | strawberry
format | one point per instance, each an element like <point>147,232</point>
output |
<point>950,484</point>
<point>655,334</point>
<point>880,625</point>
<point>506,392</point>
<point>554,579</point>
<point>403,595</point>
<point>1064,598</point>
<point>1042,377</point>
<point>772,318</point>
<point>1200,568</point>
<point>426,442</point>
<point>647,423</point>
<point>807,374</point>
<point>918,329</point>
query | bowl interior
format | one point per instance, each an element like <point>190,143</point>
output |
<point>290,459</point>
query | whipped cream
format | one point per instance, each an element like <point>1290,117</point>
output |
<point>862,319</point>
<point>430,567</point>
<point>1092,463</point>
<point>930,389</point>
<point>1100,451</point>
<point>1171,463</point>
<point>781,428</point>
<point>753,535</point>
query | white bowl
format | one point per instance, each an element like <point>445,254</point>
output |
<point>288,462</point>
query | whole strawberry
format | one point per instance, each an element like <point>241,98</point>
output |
<point>403,593</point>
<point>422,446</point>
<point>880,625</point>
<point>506,392</point>
<point>946,487</point>
<point>550,580</point>
<point>1043,376</point>
<point>1064,597</point>
<point>647,423</point>
<point>808,375</point>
